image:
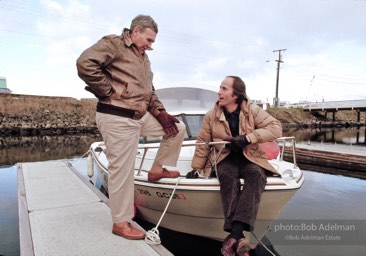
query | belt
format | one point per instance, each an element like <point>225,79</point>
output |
<point>117,111</point>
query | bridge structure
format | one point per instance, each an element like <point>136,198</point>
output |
<point>335,106</point>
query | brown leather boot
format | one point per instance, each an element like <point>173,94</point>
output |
<point>127,231</point>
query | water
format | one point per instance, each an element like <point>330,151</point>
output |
<point>323,197</point>
<point>9,234</point>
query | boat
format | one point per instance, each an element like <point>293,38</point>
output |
<point>193,206</point>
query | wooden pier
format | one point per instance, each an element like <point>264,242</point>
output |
<point>324,158</point>
<point>61,213</point>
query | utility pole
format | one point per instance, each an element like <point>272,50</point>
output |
<point>276,100</point>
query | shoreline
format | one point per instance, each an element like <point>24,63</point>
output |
<point>27,115</point>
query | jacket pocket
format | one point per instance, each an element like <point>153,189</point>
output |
<point>120,90</point>
<point>255,151</point>
<point>136,91</point>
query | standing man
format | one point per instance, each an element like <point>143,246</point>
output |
<point>245,125</point>
<point>117,71</point>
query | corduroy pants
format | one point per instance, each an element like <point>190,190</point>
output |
<point>121,137</point>
<point>240,204</point>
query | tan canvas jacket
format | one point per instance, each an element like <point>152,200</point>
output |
<point>119,75</point>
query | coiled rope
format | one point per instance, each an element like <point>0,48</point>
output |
<point>152,236</point>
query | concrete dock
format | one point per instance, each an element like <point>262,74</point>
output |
<point>61,213</point>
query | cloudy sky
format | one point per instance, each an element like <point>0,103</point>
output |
<point>199,43</point>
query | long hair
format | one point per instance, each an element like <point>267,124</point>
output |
<point>239,89</point>
<point>144,21</point>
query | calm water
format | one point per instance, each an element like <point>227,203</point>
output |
<point>323,200</point>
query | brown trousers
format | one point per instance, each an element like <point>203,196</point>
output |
<point>240,204</point>
<point>121,136</point>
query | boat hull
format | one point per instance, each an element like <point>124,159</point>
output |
<point>200,212</point>
<point>195,206</point>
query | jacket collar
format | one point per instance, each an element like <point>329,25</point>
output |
<point>244,109</point>
<point>126,37</point>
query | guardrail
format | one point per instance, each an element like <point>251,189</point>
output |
<point>332,105</point>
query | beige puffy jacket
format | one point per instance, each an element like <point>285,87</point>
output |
<point>254,121</point>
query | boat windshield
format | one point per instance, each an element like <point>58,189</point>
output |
<point>193,124</point>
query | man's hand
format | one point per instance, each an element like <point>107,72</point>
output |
<point>168,123</point>
<point>240,141</point>
<point>194,174</point>
<point>237,143</point>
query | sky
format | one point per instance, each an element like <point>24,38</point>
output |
<point>199,43</point>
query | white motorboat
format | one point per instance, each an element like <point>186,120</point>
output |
<point>194,205</point>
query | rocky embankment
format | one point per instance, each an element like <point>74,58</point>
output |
<point>22,115</point>
<point>39,115</point>
<point>295,117</point>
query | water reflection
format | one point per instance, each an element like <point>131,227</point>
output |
<point>9,235</point>
<point>41,148</point>
<point>34,148</point>
<point>348,136</point>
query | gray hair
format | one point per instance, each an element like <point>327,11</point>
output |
<point>144,21</point>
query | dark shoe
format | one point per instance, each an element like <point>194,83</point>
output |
<point>128,231</point>
<point>164,174</point>
<point>229,246</point>
<point>243,246</point>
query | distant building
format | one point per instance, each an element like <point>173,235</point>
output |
<point>258,102</point>
<point>3,87</point>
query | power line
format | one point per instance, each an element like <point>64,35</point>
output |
<point>323,77</point>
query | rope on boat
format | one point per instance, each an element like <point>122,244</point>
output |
<point>79,158</point>
<point>76,159</point>
<point>152,236</point>
<point>265,247</point>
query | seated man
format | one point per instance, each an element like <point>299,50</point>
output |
<point>245,125</point>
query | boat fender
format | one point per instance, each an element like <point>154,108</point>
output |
<point>271,149</point>
<point>90,169</point>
